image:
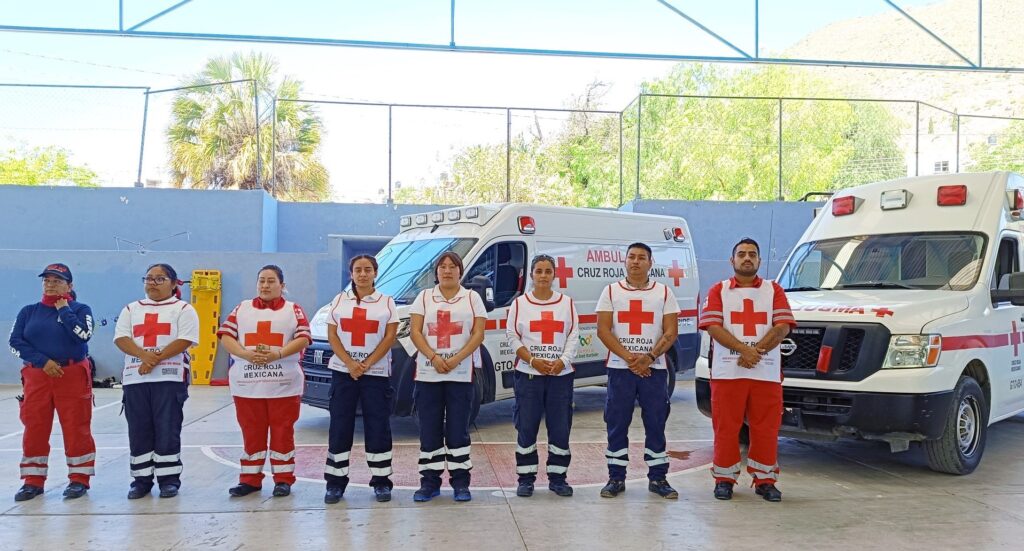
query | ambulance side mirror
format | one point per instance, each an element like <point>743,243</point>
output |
<point>482,286</point>
<point>1011,289</point>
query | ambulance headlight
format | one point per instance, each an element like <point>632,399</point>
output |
<point>404,328</point>
<point>907,351</point>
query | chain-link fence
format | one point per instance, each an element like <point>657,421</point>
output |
<point>231,135</point>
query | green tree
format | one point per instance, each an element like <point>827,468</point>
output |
<point>212,135</point>
<point>1006,154</point>
<point>48,165</point>
<point>694,147</point>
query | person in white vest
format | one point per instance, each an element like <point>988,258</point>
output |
<point>155,334</point>
<point>747,318</point>
<point>637,322</point>
<point>265,337</point>
<point>447,325</point>
<point>543,329</point>
<point>361,330</point>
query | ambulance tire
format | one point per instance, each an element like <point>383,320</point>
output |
<point>478,397</point>
<point>959,449</point>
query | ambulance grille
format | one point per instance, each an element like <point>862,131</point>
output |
<point>808,346</point>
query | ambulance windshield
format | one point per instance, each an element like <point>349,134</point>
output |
<point>943,261</point>
<point>406,268</point>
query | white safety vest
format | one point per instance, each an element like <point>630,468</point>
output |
<point>273,329</point>
<point>747,315</point>
<point>637,316</point>
<point>548,329</point>
<point>154,325</point>
<point>361,327</point>
<point>447,326</point>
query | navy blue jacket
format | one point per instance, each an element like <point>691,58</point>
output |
<point>44,333</point>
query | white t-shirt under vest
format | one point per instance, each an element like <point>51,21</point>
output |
<point>748,314</point>
<point>361,327</point>
<point>273,328</point>
<point>637,316</point>
<point>447,326</point>
<point>549,329</point>
<point>154,325</point>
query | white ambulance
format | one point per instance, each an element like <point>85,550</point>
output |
<point>908,298</point>
<point>496,243</point>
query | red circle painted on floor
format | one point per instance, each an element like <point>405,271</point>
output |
<point>494,465</point>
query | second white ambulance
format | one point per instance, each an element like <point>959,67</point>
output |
<point>496,243</point>
<point>908,297</point>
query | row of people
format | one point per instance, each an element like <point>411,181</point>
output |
<point>265,337</point>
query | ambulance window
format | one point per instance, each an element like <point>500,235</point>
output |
<point>504,266</point>
<point>1007,260</point>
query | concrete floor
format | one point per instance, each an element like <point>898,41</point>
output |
<point>850,495</point>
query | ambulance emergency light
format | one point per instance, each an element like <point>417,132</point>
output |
<point>421,219</point>
<point>842,206</point>
<point>405,221</point>
<point>1016,199</point>
<point>674,233</point>
<point>894,199</point>
<point>952,196</point>
<point>526,225</point>
<point>473,212</point>
<point>437,217</point>
<point>454,215</point>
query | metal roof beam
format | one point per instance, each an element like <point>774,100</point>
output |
<point>698,24</point>
<point>930,33</point>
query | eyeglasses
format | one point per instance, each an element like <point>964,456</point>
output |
<point>160,280</point>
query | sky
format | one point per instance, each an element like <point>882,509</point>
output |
<point>102,128</point>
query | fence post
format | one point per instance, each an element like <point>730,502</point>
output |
<point>917,138</point>
<point>639,113</point>
<point>780,150</point>
<point>256,123</point>
<point>273,149</point>
<point>958,143</point>
<point>620,158</point>
<point>508,155</point>
<point>390,199</point>
<point>142,141</point>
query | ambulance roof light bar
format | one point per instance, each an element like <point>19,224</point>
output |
<point>952,196</point>
<point>527,225</point>
<point>842,206</point>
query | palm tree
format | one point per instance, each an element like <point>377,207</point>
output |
<point>213,142</point>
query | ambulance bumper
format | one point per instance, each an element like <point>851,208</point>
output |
<point>867,415</point>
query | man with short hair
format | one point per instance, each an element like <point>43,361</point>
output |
<point>747,318</point>
<point>637,320</point>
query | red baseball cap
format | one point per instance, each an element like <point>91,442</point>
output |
<point>60,270</point>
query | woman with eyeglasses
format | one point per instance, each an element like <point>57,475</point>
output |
<point>265,337</point>
<point>361,329</point>
<point>447,324</point>
<point>51,339</point>
<point>543,329</point>
<point>155,334</point>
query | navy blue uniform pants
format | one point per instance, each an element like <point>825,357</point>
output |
<point>625,389</point>
<point>444,410</point>
<point>550,398</point>
<point>374,395</point>
<point>154,412</point>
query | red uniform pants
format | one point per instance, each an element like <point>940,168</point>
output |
<point>760,404</point>
<point>71,397</point>
<point>257,416</point>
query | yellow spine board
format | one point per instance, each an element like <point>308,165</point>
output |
<point>206,301</point>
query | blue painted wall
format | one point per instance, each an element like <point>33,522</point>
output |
<point>238,232</point>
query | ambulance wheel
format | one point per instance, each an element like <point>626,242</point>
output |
<point>478,398</point>
<point>959,449</point>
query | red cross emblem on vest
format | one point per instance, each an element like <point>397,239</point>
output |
<point>150,329</point>
<point>635,317</point>
<point>359,326</point>
<point>547,326</point>
<point>562,272</point>
<point>264,336</point>
<point>676,273</point>
<point>444,329</point>
<point>748,318</point>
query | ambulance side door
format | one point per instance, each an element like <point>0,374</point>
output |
<point>504,264</point>
<point>1005,364</point>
